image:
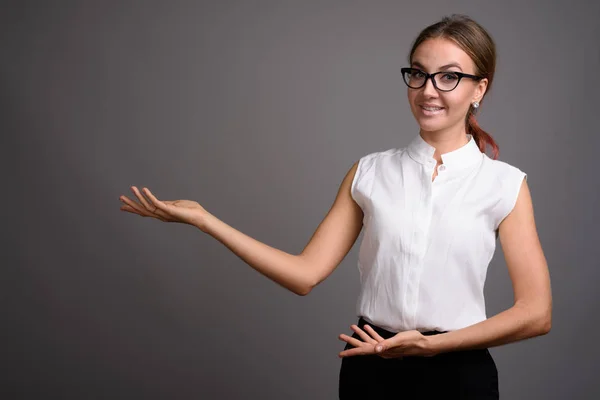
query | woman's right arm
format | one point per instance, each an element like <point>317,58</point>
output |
<point>332,240</point>
<point>300,273</point>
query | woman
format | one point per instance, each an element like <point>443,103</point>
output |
<point>432,213</point>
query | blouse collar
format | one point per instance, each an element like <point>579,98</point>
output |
<point>464,156</point>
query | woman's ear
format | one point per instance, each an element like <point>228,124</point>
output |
<point>480,89</point>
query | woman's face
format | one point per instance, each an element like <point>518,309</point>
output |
<point>435,55</point>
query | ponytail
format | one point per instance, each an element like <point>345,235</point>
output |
<point>482,138</point>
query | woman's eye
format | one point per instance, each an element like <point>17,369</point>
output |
<point>417,74</point>
<point>449,77</point>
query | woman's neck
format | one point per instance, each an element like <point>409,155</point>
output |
<point>445,141</point>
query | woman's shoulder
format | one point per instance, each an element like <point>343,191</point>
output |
<point>499,168</point>
<point>505,178</point>
<point>380,154</point>
<point>378,160</point>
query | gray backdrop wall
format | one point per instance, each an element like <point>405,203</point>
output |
<point>257,110</point>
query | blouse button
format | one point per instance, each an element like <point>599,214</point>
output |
<point>442,167</point>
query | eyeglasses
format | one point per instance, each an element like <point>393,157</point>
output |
<point>443,80</point>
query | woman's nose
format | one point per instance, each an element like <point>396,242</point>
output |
<point>429,89</point>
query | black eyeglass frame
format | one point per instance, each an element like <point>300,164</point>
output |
<point>432,77</point>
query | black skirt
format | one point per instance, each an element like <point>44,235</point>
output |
<point>465,374</point>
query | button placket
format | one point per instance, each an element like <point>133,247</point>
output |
<point>427,214</point>
<point>421,237</point>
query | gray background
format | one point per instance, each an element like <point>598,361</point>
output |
<point>257,110</point>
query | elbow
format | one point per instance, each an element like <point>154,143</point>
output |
<point>543,323</point>
<point>537,318</point>
<point>302,291</point>
<point>305,288</point>
<point>302,288</point>
<point>308,283</point>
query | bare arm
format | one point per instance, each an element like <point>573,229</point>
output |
<point>531,314</point>
<point>328,246</point>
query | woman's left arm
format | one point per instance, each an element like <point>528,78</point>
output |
<point>531,314</point>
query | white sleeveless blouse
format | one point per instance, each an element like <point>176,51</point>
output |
<point>427,245</point>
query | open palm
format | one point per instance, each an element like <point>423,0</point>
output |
<point>183,211</point>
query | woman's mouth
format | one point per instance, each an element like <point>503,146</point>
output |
<point>431,110</point>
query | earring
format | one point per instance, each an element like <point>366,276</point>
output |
<point>476,104</point>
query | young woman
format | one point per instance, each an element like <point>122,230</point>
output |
<point>432,212</point>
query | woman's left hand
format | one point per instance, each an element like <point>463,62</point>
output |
<point>408,343</point>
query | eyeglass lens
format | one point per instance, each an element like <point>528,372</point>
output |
<point>444,81</point>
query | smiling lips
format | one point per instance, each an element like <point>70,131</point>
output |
<point>431,109</point>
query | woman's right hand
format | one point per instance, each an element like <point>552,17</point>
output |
<point>182,211</point>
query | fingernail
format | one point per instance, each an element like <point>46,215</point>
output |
<point>378,348</point>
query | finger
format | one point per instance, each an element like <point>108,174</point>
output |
<point>142,199</point>
<point>357,351</point>
<point>133,204</point>
<point>157,203</point>
<point>384,346</point>
<point>363,335</point>
<point>134,207</point>
<point>160,207</point>
<point>353,341</point>
<point>372,332</point>
<point>155,207</point>
<point>130,209</point>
